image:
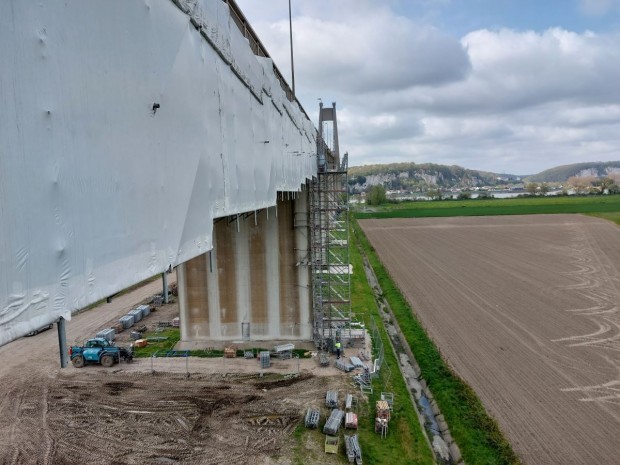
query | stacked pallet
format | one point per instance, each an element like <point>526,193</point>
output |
<point>145,309</point>
<point>383,410</point>
<point>127,321</point>
<point>137,315</point>
<point>350,420</point>
<point>230,352</point>
<point>107,333</point>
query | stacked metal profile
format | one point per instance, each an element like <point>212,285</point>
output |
<point>353,449</point>
<point>127,321</point>
<point>107,333</point>
<point>145,309</point>
<point>348,402</point>
<point>323,359</point>
<point>265,359</point>
<point>332,425</point>
<point>344,366</point>
<point>356,362</point>
<point>331,399</point>
<point>364,381</point>
<point>284,351</point>
<point>137,314</point>
<point>312,418</point>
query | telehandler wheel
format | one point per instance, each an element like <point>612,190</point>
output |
<point>78,361</point>
<point>107,361</point>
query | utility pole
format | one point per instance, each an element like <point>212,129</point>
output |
<point>290,28</point>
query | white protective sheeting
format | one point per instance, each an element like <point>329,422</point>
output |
<point>97,190</point>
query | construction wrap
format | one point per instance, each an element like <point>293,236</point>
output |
<point>126,127</point>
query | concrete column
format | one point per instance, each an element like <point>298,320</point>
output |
<point>62,342</point>
<point>164,278</point>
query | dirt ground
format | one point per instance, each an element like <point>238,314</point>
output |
<point>526,310</point>
<point>227,411</point>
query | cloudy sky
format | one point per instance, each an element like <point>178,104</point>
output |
<point>510,86</point>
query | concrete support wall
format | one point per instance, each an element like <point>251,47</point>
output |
<point>256,273</point>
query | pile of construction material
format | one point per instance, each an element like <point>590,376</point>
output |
<point>383,418</point>
<point>107,333</point>
<point>331,399</point>
<point>344,366</point>
<point>284,351</point>
<point>312,418</point>
<point>353,449</point>
<point>323,359</point>
<point>333,422</point>
<point>265,359</point>
<point>127,321</point>
<point>134,316</point>
<point>141,343</point>
<point>350,420</point>
<point>230,352</point>
<point>136,313</point>
<point>364,381</point>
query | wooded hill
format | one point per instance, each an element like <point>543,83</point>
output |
<point>580,170</point>
<point>420,177</point>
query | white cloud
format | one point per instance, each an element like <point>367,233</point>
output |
<point>366,50</point>
<point>598,7</point>
<point>500,100</point>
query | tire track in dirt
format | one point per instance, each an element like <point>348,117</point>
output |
<point>493,294</point>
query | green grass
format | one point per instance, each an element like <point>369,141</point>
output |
<point>477,434</point>
<point>601,204</point>
<point>173,335</point>
<point>405,443</point>
<point>611,216</point>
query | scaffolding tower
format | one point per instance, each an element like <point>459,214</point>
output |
<point>329,240</point>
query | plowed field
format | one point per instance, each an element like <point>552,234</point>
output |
<point>527,310</point>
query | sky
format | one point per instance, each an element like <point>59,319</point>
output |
<point>508,86</point>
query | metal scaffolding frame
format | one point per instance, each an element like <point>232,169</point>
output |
<point>329,242</point>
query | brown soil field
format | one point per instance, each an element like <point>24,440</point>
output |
<point>526,310</point>
<point>225,412</point>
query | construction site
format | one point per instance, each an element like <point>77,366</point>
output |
<point>188,407</point>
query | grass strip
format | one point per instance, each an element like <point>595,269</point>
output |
<point>476,433</point>
<point>173,335</point>
<point>405,443</point>
<point>604,204</point>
